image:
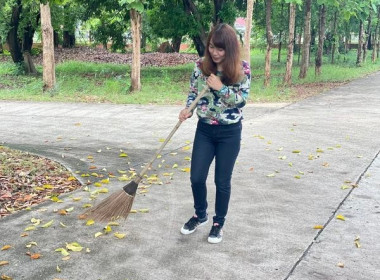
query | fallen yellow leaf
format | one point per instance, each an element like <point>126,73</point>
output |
<point>98,234</point>
<point>90,222</point>
<point>30,228</point>
<point>105,181</point>
<point>74,246</point>
<point>341,217</point>
<point>107,229</point>
<point>48,224</point>
<point>30,244</point>
<point>3,263</point>
<point>318,227</point>
<point>63,251</point>
<point>356,241</point>
<point>6,247</point>
<point>119,235</point>
<point>35,222</point>
<point>104,190</point>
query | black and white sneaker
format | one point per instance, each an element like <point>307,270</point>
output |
<point>216,234</point>
<point>192,224</point>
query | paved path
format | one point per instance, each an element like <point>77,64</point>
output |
<point>278,195</point>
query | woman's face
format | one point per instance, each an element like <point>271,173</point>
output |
<point>217,54</point>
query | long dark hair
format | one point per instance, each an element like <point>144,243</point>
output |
<point>224,36</point>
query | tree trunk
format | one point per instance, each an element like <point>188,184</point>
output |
<point>306,41</point>
<point>176,43</point>
<point>299,45</point>
<point>376,36</point>
<point>199,39</point>
<point>368,33</point>
<point>218,5</point>
<point>68,39</point>
<point>56,38</point>
<point>321,38</point>
<point>48,48</point>
<point>289,58</point>
<point>28,64</point>
<point>247,34</point>
<point>12,38</point>
<point>269,42</point>
<point>335,26</point>
<point>136,44</point>
<point>280,35</point>
<point>360,45</point>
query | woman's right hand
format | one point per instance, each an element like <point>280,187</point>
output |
<point>184,114</point>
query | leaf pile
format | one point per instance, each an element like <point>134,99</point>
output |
<point>88,54</point>
<point>27,180</point>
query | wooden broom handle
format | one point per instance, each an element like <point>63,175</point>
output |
<point>191,107</point>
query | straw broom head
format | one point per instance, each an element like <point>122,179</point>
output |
<point>116,205</point>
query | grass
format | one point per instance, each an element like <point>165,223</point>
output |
<point>105,82</point>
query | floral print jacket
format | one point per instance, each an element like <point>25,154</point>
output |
<point>221,107</point>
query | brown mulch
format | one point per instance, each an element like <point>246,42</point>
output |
<point>307,90</point>
<point>88,54</point>
<point>27,180</point>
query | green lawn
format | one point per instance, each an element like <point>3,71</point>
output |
<point>100,82</point>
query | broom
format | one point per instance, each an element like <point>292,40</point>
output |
<point>119,204</point>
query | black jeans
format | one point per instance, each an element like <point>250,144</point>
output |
<point>221,142</point>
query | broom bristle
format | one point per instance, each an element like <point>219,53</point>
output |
<point>116,205</point>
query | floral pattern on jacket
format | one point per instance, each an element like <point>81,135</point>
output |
<point>221,107</point>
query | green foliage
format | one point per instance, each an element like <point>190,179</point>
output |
<point>168,19</point>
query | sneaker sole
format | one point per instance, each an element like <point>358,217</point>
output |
<point>186,232</point>
<point>215,240</point>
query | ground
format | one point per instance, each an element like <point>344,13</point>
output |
<point>27,179</point>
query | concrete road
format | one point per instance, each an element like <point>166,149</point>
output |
<point>295,171</point>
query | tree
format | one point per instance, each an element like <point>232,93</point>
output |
<point>376,36</point>
<point>321,39</point>
<point>168,20</point>
<point>269,35</point>
<point>280,35</point>
<point>334,37</point>
<point>21,23</point>
<point>247,34</point>
<point>136,45</point>
<point>289,58</point>
<point>306,41</point>
<point>136,7</point>
<point>359,58</point>
<point>48,47</point>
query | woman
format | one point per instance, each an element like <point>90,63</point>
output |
<point>219,126</point>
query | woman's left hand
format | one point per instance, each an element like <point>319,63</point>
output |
<point>214,82</point>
